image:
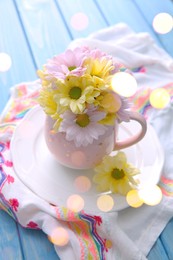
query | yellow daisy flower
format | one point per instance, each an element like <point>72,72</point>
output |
<point>46,100</point>
<point>109,119</point>
<point>75,93</point>
<point>50,107</point>
<point>110,103</point>
<point>42,75</point>
<point>115,174</point>
<point>100,68</point>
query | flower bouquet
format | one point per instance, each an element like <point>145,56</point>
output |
<point>77,94</point>
<point>83,111</point>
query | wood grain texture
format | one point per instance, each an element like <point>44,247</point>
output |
<point>33,31</point>
<point>44,28</point>
<point>152,8</point>
<point>95,19</point>
<point>10,246</point>
<point>158,252</point>
<point>35,245</point>
<point>166,239</point>
<point>11,37</point>
<point>127,12</point>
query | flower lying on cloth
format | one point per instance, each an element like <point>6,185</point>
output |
<point>115,174</point>
<point>72,83</point>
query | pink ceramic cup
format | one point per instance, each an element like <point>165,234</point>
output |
<point>67,154</point>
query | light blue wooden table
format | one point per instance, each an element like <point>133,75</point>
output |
<point>31,31</point>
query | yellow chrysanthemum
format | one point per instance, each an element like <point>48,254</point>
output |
<point>75,93</point>
<point>115,174</point>
<point>109,119</point>
<point>110,103</point>
<point>46,100</point>
<point>42,75</point>
<point>100,68</point>
<point>50,107</point>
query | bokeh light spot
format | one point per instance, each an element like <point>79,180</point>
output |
<point>82,184</point>
<point>105,203</point>
<point>150,194</point>
<point>75,203</point>
<point>163,23</point>
<point>59,236</point>
<point>159,98</point>
<point>79,21</point>
<point>111,102</point>
<point>78,158</point>
<point>133,199</point>
<point>124,84</point>
<point>5,62</point>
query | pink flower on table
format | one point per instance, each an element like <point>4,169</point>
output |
<point>67,63</point>
<point>14,204</point>
<point>32,225</point>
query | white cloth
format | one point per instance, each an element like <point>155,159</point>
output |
<point>142,225</point>
<point>132,231</point>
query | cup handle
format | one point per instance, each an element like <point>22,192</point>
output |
<point>136,138</point>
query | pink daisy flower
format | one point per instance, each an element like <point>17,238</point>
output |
<point>83,128</point>
<point>67,63</point>
<point>98,54</point>
<point>123,112</point>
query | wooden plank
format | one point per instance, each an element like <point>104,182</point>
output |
<point>166,239</point>
<point>151,8</point>
<point>89,12</point>
<point>158,252</point>
<point>35,245</point>
<point>12,37</point>
<point>9,242</point>
<point>125,11</point>
<point>44,27</point>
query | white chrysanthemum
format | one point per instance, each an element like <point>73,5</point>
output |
<point>83,128</point>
